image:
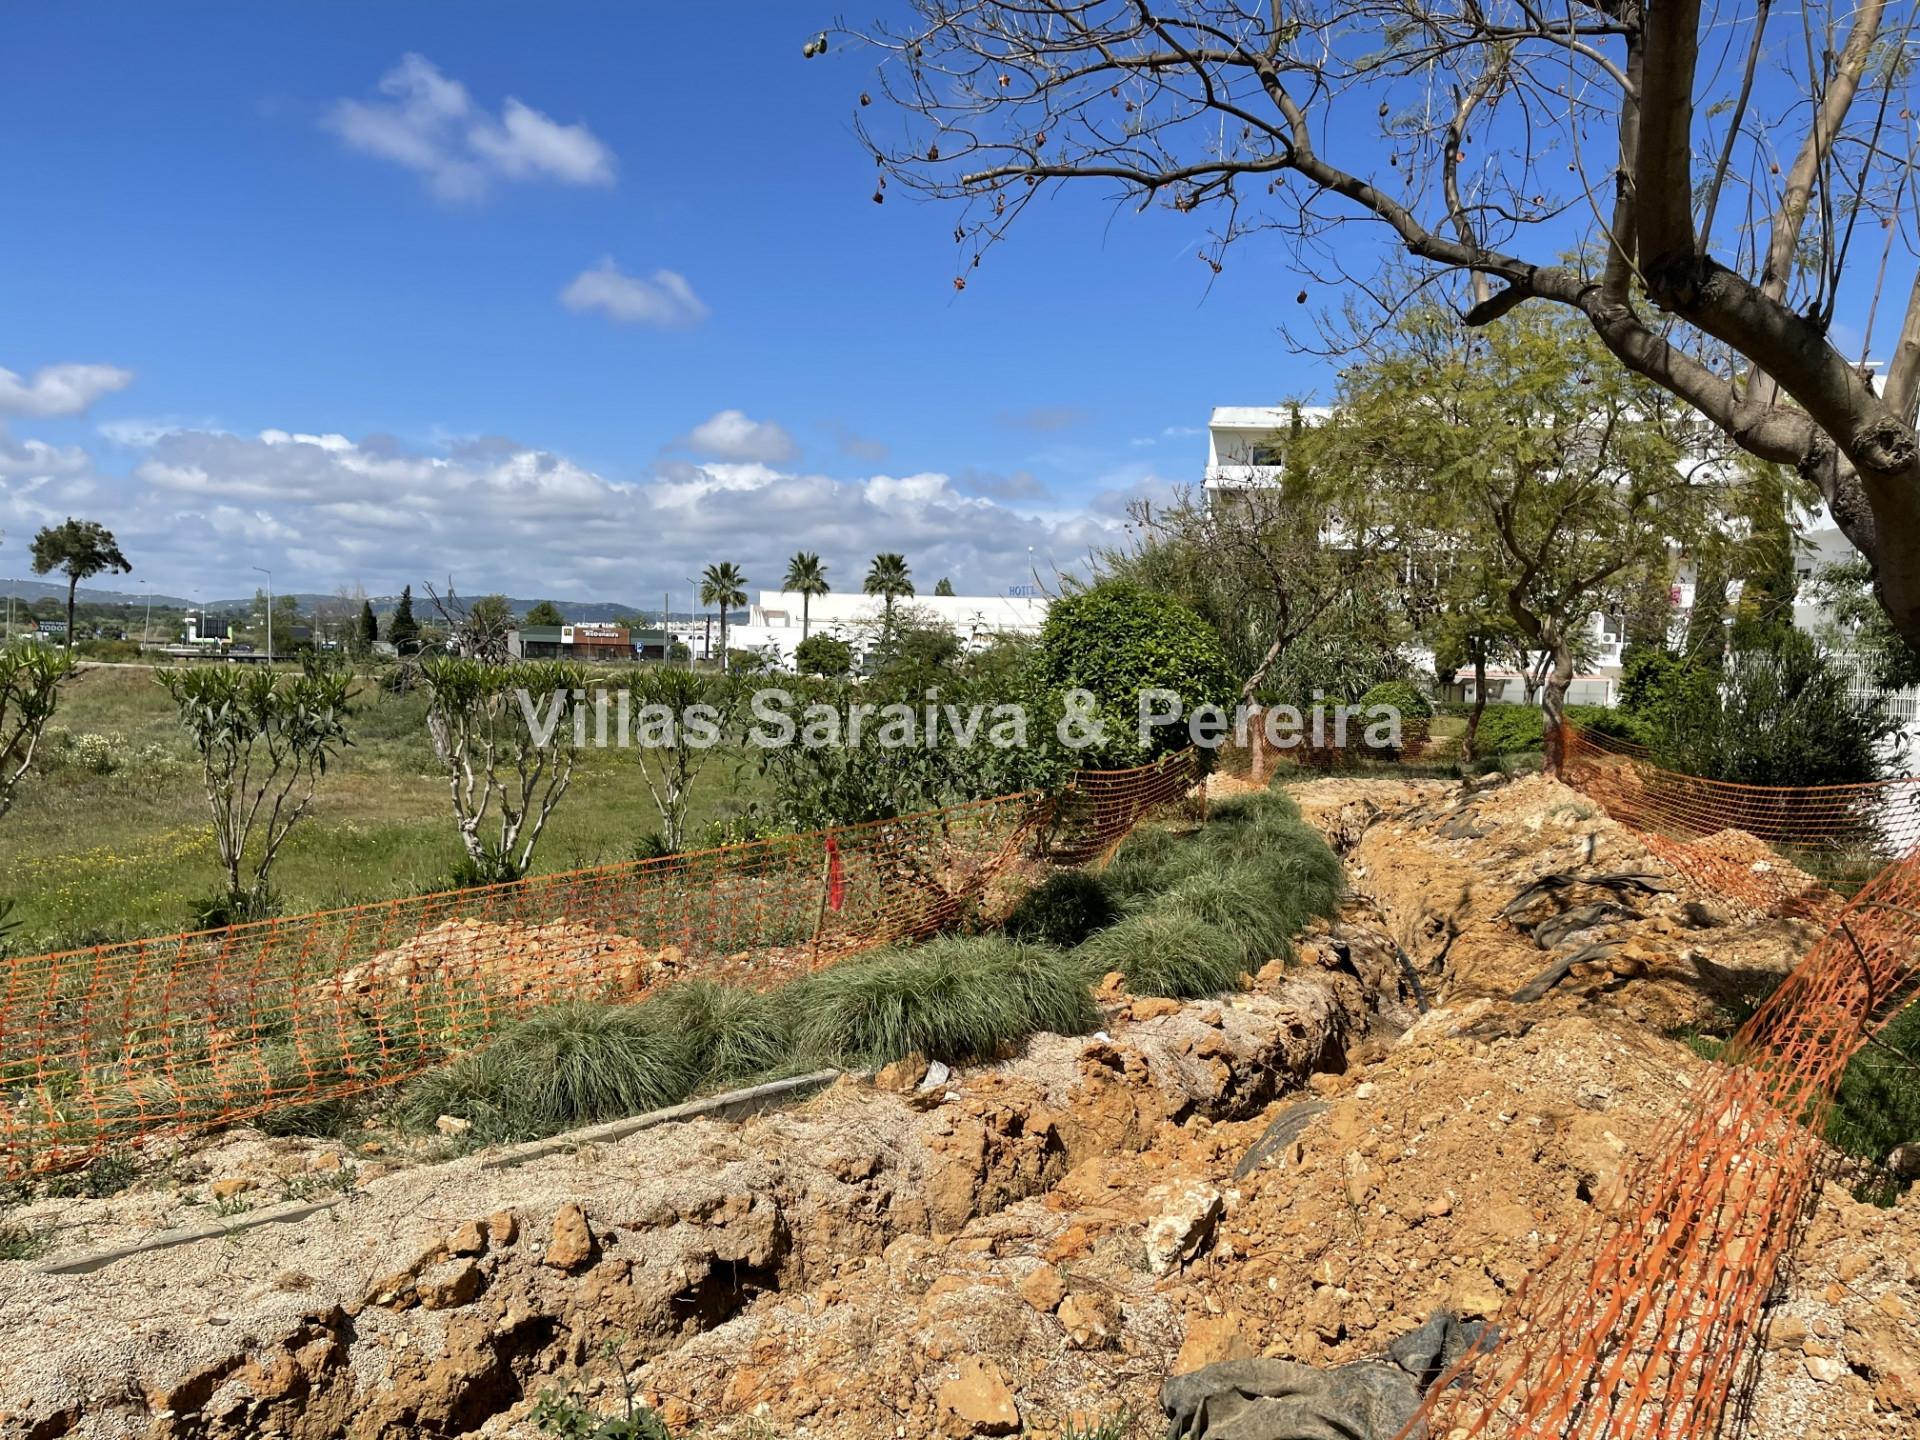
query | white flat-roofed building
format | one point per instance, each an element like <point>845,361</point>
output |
<point>1246,444</point>
<point>774,624</point>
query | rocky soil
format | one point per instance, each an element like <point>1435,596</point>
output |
<point>1304,1169</point>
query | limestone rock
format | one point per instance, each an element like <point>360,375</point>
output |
<point>1091,1318</point>
<point>1184,1216</point>
<point>1212,1339</point>
<point>1043,1289</point>
<point>467,1239</point>
<point>977,1401</point>
<point>452,1283</point>
<point>572,1244</point>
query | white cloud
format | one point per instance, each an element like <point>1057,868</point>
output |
<point>663,299</point>
<point>730,435</point>
<point>37,460</point>
<point>428,123</point>
<point>324,510</point>
<point>59,389</point>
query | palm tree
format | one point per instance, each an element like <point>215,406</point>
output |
<point>725,586</point>
<point>887,577</point>
<point>807,577</point>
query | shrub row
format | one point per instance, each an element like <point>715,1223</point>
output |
<point>1177,916</point>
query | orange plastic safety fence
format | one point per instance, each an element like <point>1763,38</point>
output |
<point>1644,1324</point>
<point>1730,840</point>
<point>105,1046</point>
<point>1102,806</point>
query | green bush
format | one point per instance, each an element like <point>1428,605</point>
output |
<point>1173,955</point>
<point>1784,716</point>
<point>823,655</point>
<point>1300,872</point>
<point>1117,640</point>
<point>1510,730</point>
<point>570,1064</point>
<point>1136,872</point>
<point>953,998</point>
<point>1659,690</point>
<point>1401,695</point>
<point>1062,910</point>
<point>1604,721</point>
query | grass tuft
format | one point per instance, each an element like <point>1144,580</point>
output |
<point>1178,956</point>
<point>954,998</point>
<point>1240,900</point>
<point>574,1063</point>
<point>738,1034</point>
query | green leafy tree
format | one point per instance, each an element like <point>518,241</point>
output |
<point>1781,716</point>
<point>264,740</point>
<point>30,676</point>
<point>823,655</point>
<point>1705,229</point>
<point>1117,641</point>
<point>1549,472</point>
<point>367,630</point>
<point>504,737</point>
<point>682,719</point>
<point>943,586</point>
<point>403,631</point>
<point>1856,623</point>
<point>78,549</point>
<point>725,586</point>
<point>544,612</point>
<point>806,577</point>
<point>1769,582</point>
<point>889,578</point>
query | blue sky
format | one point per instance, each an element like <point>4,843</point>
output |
<point>196,207</point>
<point>572,300</point>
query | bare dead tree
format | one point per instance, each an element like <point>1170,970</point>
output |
<point>476,629</point>
<point>1488,138</point>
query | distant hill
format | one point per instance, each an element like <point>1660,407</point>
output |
<point>31,590</point>
<point>423,607</point>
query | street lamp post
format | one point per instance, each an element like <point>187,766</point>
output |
<point>693,601</point>
<point>269,574</point>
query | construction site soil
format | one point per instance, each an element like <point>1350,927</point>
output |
<point>1304,1169</point>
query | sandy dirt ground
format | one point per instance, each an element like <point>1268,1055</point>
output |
<point>1305,1169</point>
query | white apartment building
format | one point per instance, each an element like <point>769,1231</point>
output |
<point>1246,450</point>
<point>774,623</point>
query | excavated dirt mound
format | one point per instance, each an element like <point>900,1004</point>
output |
<point>1303,1170</point>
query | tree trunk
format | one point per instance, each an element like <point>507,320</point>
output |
<point>804,608</point>
<point>1479,704</point>
<point>1558,679</point>
<point>73,583</point>
<point>726,660</point>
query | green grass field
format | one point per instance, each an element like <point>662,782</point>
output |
<point>91,855</point>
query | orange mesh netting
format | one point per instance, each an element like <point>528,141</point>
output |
<point>1643,1325</point>
<point>104,1046</point>
<point>1731,840</point>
